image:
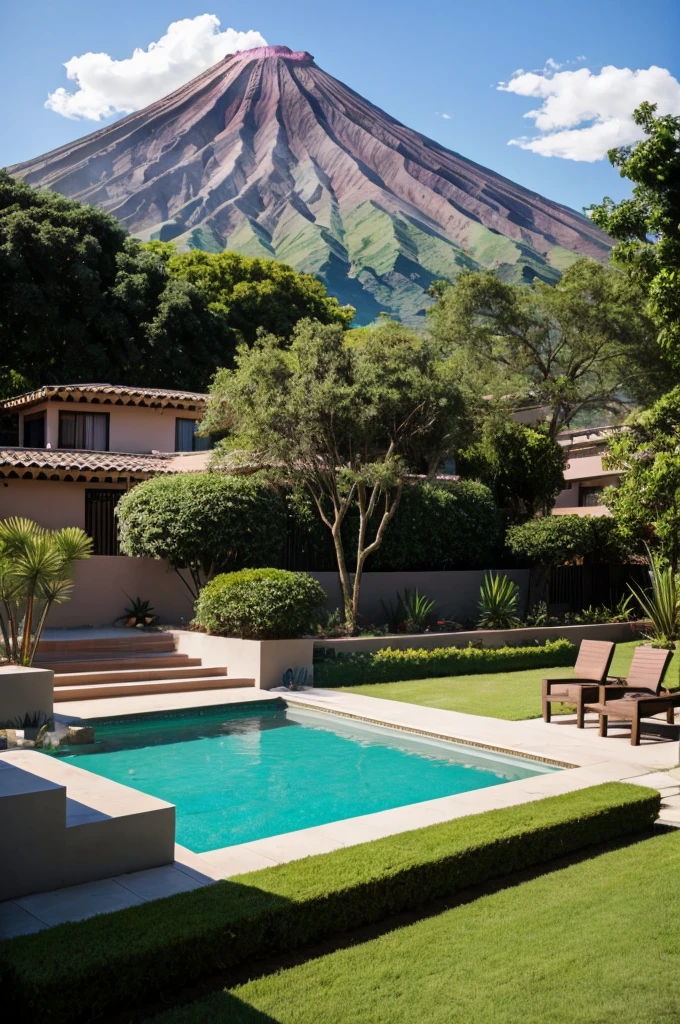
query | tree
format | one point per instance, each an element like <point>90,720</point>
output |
<point>253,294</point>
<point>557,540</point>
<point>523,467</point>
<point>571,346</point>
<point>82,301</point>
<point>647,226</point>
<point>204,523</point>
<point>646,505</point>
<point>343,423</point>
<point>36,569</point>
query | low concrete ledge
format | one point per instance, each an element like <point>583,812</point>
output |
<point>618,632</point>
<point>25,691</point>
<point>264,661</point>
<point>62,825</point>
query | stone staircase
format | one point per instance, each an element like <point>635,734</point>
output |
<point>125,665</point>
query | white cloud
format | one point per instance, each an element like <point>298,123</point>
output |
<point>106,86</point>
<point>447,117</point>
<point>582,113</point>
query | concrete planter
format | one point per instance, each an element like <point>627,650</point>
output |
<point>263,661</point>
<point>618,632</point>
<point>25,691</point>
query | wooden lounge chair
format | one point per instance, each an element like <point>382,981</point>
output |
<point>590,671</point>
<point>641,696</point>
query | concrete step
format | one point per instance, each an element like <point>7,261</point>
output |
<point>134,642</point>
<point>136,675</point>
<point>94,691</point>
<point>115,662</point>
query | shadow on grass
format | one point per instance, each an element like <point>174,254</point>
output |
<point>224,1006</point>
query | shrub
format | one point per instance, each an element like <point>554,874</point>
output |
<point>261,604</point>
<point>440,526</point>
<point>204,522</point>
<point>85,969</point>
<point>554,540</point>
<point>498,601</point>
<point>390,665</point>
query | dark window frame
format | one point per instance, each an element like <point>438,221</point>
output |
<point>35,417</point>
<point>82,412</point>
<point>100,519</point>
<point>204,446</point>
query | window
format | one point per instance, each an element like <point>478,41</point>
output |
<point>34,431</point>
<point>186,439</point>
<point>100,520</point>
<point>590,496</point>
<point>88,431</point>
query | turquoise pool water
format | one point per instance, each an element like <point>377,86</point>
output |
<point>241,774</point>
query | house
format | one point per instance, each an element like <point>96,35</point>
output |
<point>81,447</point>
<point>584,475</point>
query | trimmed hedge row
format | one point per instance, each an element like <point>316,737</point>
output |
<point>391,665</point>
<point>78,971</point>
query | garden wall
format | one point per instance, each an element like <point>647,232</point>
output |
<point>102,582</point>
<point>618,632</point>
<point>456,593</point>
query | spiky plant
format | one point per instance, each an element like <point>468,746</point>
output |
<point>498,603</point>
<point>661,604</point>
<point>36,568</point>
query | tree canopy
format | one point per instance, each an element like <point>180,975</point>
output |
<point>82,301</point>
<point>251,293</point>
<point>575,345</point>
<point>344,423</point>
<point>522,466</point>
<point>647,226</point>
<point>646,506</point>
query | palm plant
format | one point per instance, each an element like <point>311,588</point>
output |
<point>662,605</point>
<point>36,568</point>
<point>498,603</point>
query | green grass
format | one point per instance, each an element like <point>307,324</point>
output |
<point>593,943</point>
<point>83,970</point>
<point>510,695</point>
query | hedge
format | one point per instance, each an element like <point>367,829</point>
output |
<point>78,971</point>
<point>390,665</point>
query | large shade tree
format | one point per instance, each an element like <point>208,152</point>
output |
<point>582,343</point>
<point>647,226</point>
<point>344,423</point>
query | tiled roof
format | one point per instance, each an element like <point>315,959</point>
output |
<point>105,394</point>
<point>49,462</point>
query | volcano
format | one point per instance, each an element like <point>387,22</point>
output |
<point>268,155</point>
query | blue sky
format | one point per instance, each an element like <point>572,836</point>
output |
<point>418,63</point>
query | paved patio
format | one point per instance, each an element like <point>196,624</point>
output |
<point>592,760</point>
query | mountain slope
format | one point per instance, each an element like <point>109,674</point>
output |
<point>268,155</point>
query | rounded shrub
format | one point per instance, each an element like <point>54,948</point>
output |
<point>205,522</point>
<point>260,604</point>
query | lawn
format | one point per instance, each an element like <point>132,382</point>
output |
<point>593,943</point>
<point>509,695</point>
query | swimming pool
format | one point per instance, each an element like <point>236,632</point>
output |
<point>238,774</point>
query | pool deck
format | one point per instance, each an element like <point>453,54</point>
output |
<point>591,759</point>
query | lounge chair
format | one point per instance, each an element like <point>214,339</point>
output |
<point>641,697</point>
<point>590,671</point>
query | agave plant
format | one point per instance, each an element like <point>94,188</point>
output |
<point>138,613</point>
<point>498,603</point>
<point>36,568</point>
<point>661,605</point>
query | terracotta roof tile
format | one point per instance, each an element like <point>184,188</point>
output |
<point>67,460</point>
<point>110,394</point>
